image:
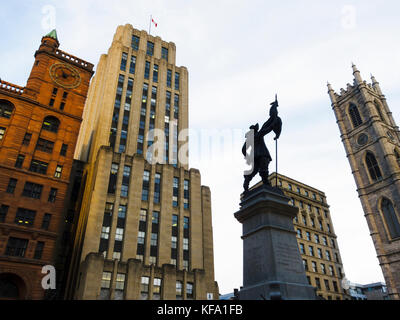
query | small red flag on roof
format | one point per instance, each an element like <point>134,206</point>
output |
<point>155,23</point>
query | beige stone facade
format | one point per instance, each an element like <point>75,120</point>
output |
<point>145,229</point>
<point>371,140</point>
<point>316,237</point>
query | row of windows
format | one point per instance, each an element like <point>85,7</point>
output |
<point>304,221</point>
<point>38,166</point>
<point>311,209</point>
<point>319,253</point>
<point>31,190</point>
<point>17,247</point>
<point>317,238</point>
<point>299,191</point>
<point>132,69</point>
<point>54,96</point>
<point>44,145</point>
<point>149,48</point>
<point>25,217</point>
<point>327,285</point>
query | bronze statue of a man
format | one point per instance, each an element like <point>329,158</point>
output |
<point>260,156</point>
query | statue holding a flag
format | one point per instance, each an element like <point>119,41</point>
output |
<point>259,156</point>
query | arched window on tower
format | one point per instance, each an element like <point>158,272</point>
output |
<point>51,124</point>
<point>373,167</point>
<point>391,218</point>
<point>355,115</point>
<point>6,109</point>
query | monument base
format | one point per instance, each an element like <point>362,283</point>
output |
<point>272,265</point>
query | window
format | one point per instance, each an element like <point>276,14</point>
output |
<point>302,250</point>
<point>177,81</point>
<point>319,253</point>
<point>308,236</point>
<point>106,280</point>
<point>63,150</point>
<point>38,250</point>
<point>179,287</point>
<point>324,241</point>
<point>186,194</point>
<point>373,167</point>
<point>328,255</point>
<point>125,181</point>
<point>112,183</point>
<point>58,172</point>
<point>62,105</point>
<point>335,286</point>
<point>169,78</point>
<point>144,284</point>
<point>2,132</point>
<point>323,269</point>
<point>135,43</point>
<point>311,250</point>
<point>331,271</point>
<point>123,61</point>
<point>132,66</point>
<point>316,238</point>
<point>305,265</point>
<point>333,243</point>
<point>146,183</point>
<point>119,286</point>
<point>355,115</point>
<point>157,288</point>
<point>147,70</point>
<point>164,53</point>
<point>65,95</point>
<point>55,90</point>
<point>20,161</point>
<point>157,187</point>
<point>306,193</point>
<point>390,217</point>
<point>327,287</point>
<point>25,217</point>
<point>299,234</point>
<point>27,139</point>
<point>32,190</point>
<point>176,106</point>
<point>16,247</point>
<point>175,192</point>
<point>318,283</point>
<point>52,195</point>
<point>46,221</point>
<point>6,109</point>
<point>51,124</point>
<point>155,73</point>
<point>45,145</point>
<point>11,185</point>
<point>189,290</point>
<point>150,48</point>
<point>51,102</point>
<point>3,213</point>
<point>304,220</point>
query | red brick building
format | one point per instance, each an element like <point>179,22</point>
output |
<point>39,126</point>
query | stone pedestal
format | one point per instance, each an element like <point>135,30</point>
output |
<point>272,265</point>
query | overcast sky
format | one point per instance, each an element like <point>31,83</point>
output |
<point>239,54</point>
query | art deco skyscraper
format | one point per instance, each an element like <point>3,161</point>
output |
<point>145,229</point>
<point>372,142</point>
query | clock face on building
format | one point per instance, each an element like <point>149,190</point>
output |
<point>362,139</point>
<point>65,75</point>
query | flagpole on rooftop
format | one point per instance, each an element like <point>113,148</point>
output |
<point>151,18</point>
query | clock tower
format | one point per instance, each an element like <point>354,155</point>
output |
<point>372,143</point>
<point>39,127</point>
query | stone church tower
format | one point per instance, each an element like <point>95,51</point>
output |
<point>372,142</point>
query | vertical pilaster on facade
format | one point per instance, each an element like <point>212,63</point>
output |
<point>135,270</point>
<point>90,277</point>
<point>169,280</point>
